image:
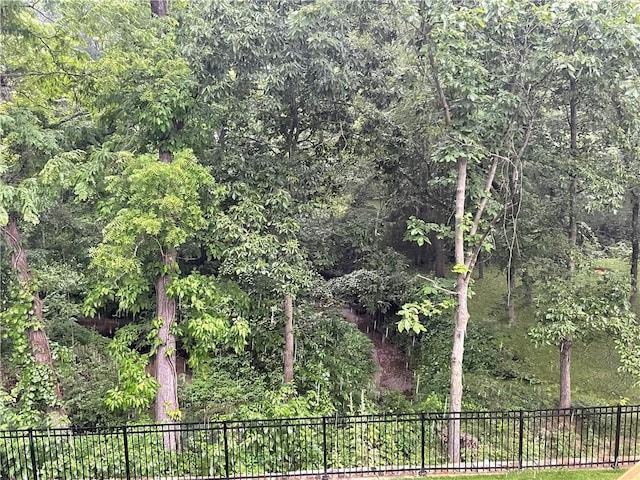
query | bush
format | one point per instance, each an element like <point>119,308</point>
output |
<point>222,387</point>
<point>332,357</point>
<point>377,292</point>
<point>483,357</point>
<point>86,378</point>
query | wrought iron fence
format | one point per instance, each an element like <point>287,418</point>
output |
<point>320,447</point>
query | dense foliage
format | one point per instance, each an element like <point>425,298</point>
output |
<point>190,192</point>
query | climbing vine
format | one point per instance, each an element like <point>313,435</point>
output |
<point>34,390</point>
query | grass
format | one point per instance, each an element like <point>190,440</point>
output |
<point>539,475</point>
<point>594,364</point>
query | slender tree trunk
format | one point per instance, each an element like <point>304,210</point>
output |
<point>511,286</point>
<point>37,338</point>
<point>440,263</point>
<point>565,372</point>
<point>565,344</point>
<point>573,185</point>
<point>635,209</point>
<point>462,288</point>
<point>291,141</point>
<point>480,264</point>
<point>461,317</point>
<point>159,8</point>
<point>288,338</point>
<point>573,223</point>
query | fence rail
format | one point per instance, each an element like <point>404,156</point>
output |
<point>324,446</point>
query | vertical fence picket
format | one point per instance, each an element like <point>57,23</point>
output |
<point>127,464</point>
<point>520,438</point>
<point>226,449</point>
<point>32,454</point>
<point>422,443</point>
<point>616,451</point>
<point>325,466</point>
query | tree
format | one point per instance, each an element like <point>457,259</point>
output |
<point>153,99</point>
<point>577,307</point>
<point>255,240</point>
<point>37,108</point>
<point>280,138</point>
<point>486,105</point>
<point>154,208</point>
<point>584,167</point>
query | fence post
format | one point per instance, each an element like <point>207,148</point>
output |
<point>324,448</point>
<point>616,451</point>
<point>127,463</point>
<point>32,453</point>
<point>226,448</point>
<point>422,447</point>
<point>520,439</point>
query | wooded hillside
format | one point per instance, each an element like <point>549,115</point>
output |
<point>192,191</point>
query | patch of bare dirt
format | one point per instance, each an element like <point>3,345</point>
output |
<point>391,362</point>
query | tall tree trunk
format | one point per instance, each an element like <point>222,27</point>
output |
<point>167,406</point>
<point>288,338</point>
<point>480,264</point>
<point>440,263</point>
<point>511,286</point>
<point>635,209</point>
<point>165,362</point>
<point>573,185</point>
<point>292,138</point>
<point>565,372</point>
<point>37,338</point>
<point>462,289</point>
<point>159,8</point>
<point>573,222</point>
<point>565,344</point>
<point>461,317</point>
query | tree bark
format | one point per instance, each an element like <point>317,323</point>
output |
<point>565,372</point>
<point>288,338</point>
<point>511,286</point>
<point>565,343</point>
<point>167,407</point>
<point>461,317</point>
<point>159,8</point>
<point>37,338</point>
<point>480,264</point>
<point>440,263</point>
<point>573,185</point>
<point>165,361</point>
<point>635,209</point>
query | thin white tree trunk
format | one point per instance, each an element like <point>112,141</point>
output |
<point>635,248</point>
<point>288,338</point>
<point>461,317</point>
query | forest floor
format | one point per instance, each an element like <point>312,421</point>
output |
<point>392,372</point>
<point>594,363</point>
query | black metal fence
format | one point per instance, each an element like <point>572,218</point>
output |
<point>416,442</point>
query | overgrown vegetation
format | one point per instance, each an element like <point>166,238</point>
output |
<point>191,192</point>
